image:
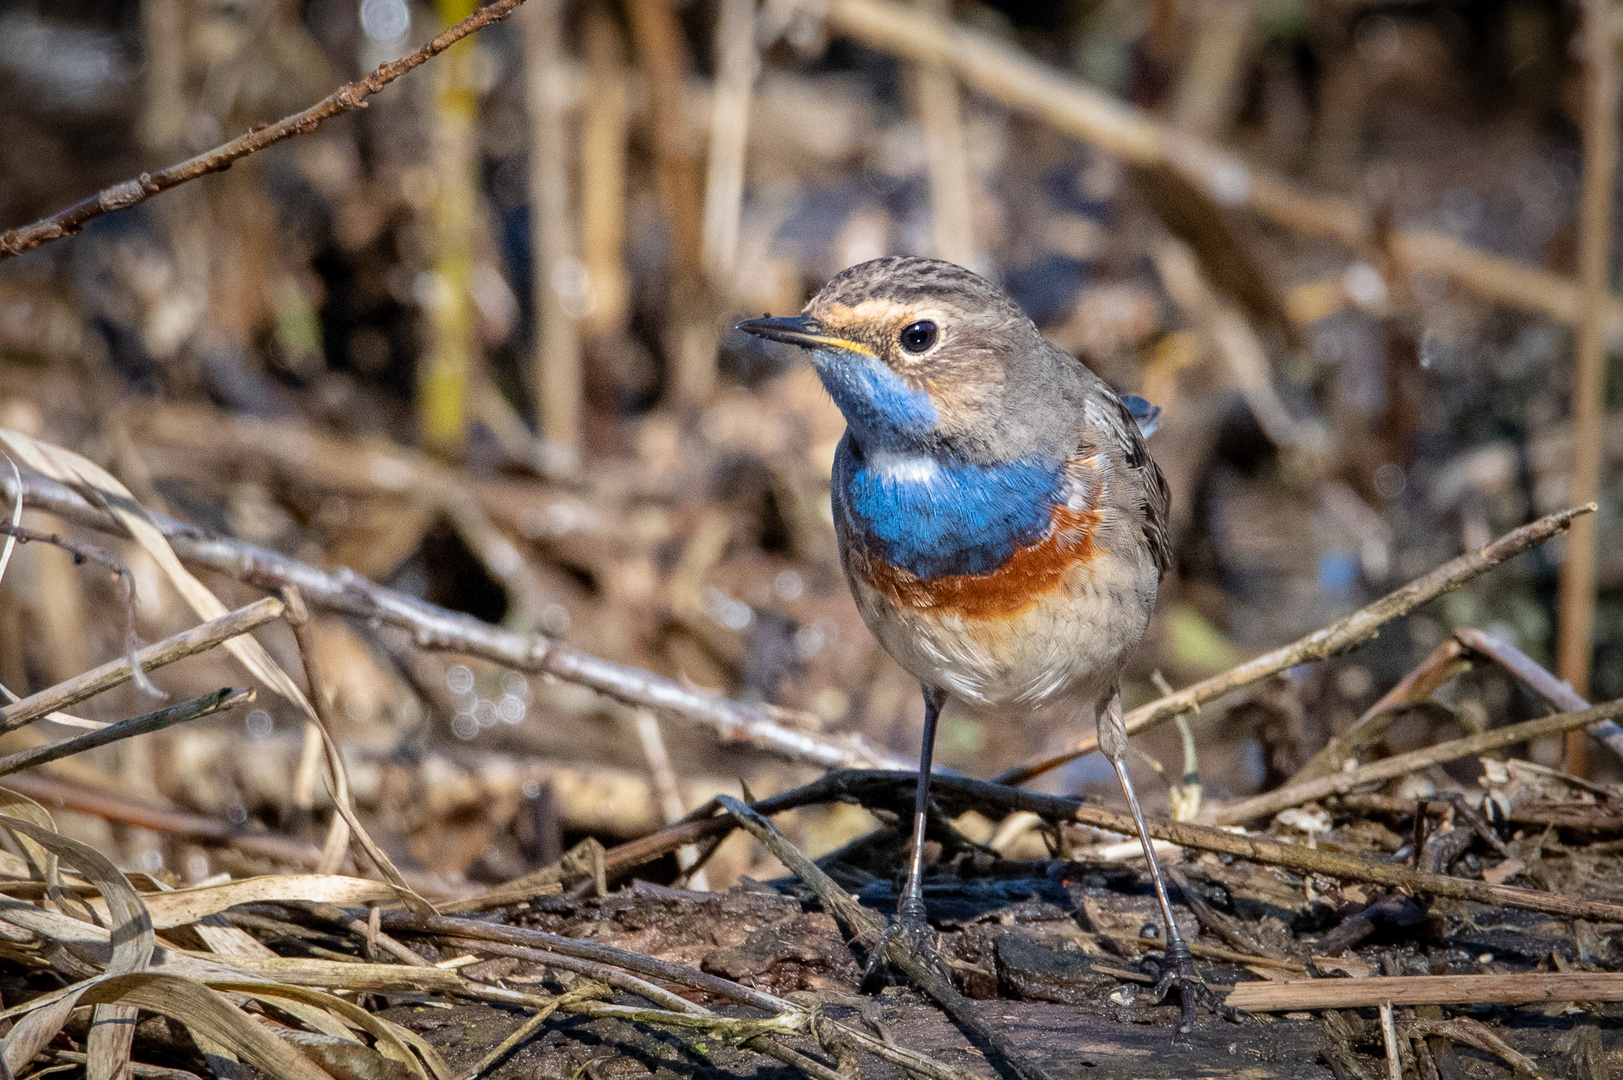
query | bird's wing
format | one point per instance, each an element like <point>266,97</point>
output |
<point>1132,482</point>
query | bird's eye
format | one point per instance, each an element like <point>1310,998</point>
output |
<point>918,337</point>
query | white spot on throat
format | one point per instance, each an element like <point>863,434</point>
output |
<point>904,468</point>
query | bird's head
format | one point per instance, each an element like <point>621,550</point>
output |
<point>921,356</point>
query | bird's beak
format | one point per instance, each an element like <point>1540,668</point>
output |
<point>802,330</point>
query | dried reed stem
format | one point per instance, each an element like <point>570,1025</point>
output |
<point>736,65</point>
<point>556,377</point>
<point>940,110</point>
<point>1576,622</point>
<point>603,146</point>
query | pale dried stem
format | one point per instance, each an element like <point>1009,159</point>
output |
<point>736,64</point>
<point>1506,988</point>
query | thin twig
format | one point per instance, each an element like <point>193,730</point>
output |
<point>435,627</point>
<point>1436,669</point>
<point>923,971</point>
<point>956,794</point>
<point>1539,680</point>
<point>1006,74</point>
<point>346,98</point>
<point>187,643</point>
<point>363,929</point>
<point>207,705</point>
<point>1294,794</point>
<point>1576,622</point>
<point>58,794</point>
<point>666,790</point>
<point>83,553</point>
<point>1338,637</point>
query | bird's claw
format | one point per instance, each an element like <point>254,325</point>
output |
<point>1178,972</point>
<point>911,930</point>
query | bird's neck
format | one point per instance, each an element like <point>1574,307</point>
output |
<point>935,516</point>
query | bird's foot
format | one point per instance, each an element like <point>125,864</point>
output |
<point>911,930</point>
<point>1178,972</point>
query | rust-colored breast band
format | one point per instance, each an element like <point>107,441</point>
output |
<point>1031,573</point>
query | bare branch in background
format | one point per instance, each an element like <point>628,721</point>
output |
<point>346,98</point>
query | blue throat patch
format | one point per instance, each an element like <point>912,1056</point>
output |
<point>884,410</point>
<point>937,518</point>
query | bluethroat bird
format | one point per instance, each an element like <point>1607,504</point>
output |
<point>1001,524</point>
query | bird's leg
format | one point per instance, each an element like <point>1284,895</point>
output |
<point>910,911</point>
<point>912,921</point>
<point>1179,970</point>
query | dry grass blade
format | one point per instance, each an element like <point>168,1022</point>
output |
<point>75,471</point>
<point>196,709</point>
<point>183,906</point>
<point>133,942</point>
<point>206,1012</point>
<point>42,860</point>
<point>385,1033</point>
